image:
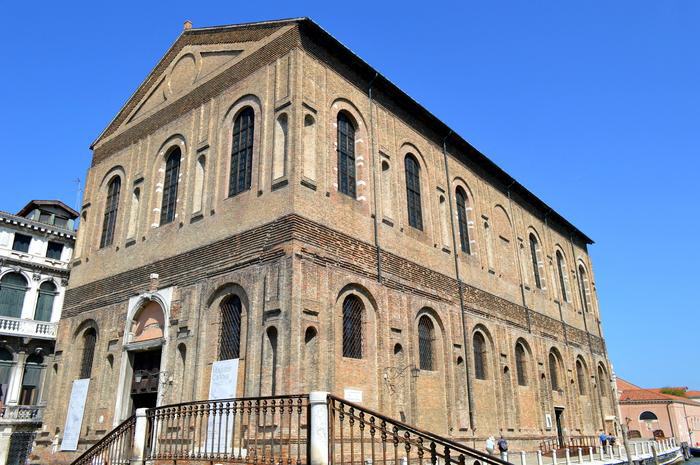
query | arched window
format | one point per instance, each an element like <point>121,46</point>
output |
<point>521,364</point>
<point>230,329</point>
<point>415,214</point>
<point>44,304</point>
<point>242,152</point>
<point>353,310</point>
<point>554,371</point>
<point>111,210</point>
<point>346,156</point>
<point>31,379</point>
<point>89,341</point>
<point>426,338</point>
<point>462,219</point>
<point>172,178</point>
<point>479,344</point>
<point>6,362</point>
<point>585,288</point>
<point>280,147</point>
<point>13,287</point>
<point>647,416</point>
<point>563,280</point>
<point>581,378</point>
<point>602,382</point>
<point>535,255</point>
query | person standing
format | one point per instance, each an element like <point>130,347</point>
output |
<point>603,439</point>
<point>490,445</point>
<point>503,448</point>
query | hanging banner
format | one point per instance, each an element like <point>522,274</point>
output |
<point>224,379</point>
<point>74,418</point>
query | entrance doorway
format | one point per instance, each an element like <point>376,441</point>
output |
<point>558,413</point>
<point>145,380</point>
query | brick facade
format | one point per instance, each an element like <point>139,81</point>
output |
<point>292,248</point>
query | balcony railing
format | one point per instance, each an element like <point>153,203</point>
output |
<point>27,328</point>
<point>23,413</point>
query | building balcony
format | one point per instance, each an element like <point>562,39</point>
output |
<point>22,414</point>
<point>27,328</point>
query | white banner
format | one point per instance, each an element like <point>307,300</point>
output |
<point>74,418</point>
<point>224,379</point>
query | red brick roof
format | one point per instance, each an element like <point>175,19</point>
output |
<point>632,393</point>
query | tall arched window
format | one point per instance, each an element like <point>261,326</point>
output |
<point>346,156</point>
<point>168,205</point>
<point>426,338</point>
<point>353,310</point>
<point>44,304</point>
<point>554,371</point>
<point>13,287</point>
<point>535,256</point>
<point>230,329</point>
<point>463,220</point>
<point>6,362</point>
<point>581,378</point>
<point>602,381</point>
<point>89,341</point>
<point>479,344</point>
<point>31,379</point>
<point>242,152</point>
<point>521,364</point>
<point>111,210</point>
<point>585,288</point>
<point>561,268</point>
<point>415,214</point>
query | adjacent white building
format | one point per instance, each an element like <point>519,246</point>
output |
<point>36,246</point>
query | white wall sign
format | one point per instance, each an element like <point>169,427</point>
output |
<point>74,418</point>
<point>224,379</point>
<point>548,420</point>
<point>353,395</point>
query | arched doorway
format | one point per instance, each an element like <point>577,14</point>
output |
<point>144,346</point>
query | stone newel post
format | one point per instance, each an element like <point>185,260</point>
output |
<point>318,430</point>
<point>138,448</point>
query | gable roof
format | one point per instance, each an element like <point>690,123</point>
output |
<point>314,39</point>
<point>33,204</point>
<point>634,394</point>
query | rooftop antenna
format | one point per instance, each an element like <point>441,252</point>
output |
<point>77,194</point>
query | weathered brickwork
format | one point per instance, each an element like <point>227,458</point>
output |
<point>292,249</point>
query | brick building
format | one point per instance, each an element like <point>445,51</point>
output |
<point>653,413</point>
<point>267,196</point>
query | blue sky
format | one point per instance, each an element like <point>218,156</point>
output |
<point>592,105</point>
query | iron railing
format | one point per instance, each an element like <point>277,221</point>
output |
<point>572,442</point>
<point>360,436</point>
<point>113,449</point>
<point>263,430</point>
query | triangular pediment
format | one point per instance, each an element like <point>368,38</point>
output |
<point>193,65</point>
<point>197,56</point>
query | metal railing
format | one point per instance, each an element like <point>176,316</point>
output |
<point>113,449</point>
<point>24,413</point>
<point>572,442</point>
<point>360,436</point>
<point>263,430</point>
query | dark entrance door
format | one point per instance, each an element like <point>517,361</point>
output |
<point>558,413</point>
<point>144,383</point>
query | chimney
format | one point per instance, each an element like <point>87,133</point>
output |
<point>188,25</point>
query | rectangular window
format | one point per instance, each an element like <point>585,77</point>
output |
<point>45,217</point>
<point>21,243</point>
<point>54,250</point>
<point>61,222</point>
